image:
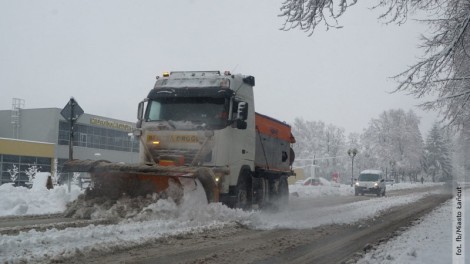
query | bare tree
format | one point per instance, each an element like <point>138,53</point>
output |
<point>308,14</point>
<point>443,72</point>
<point>445,69</point>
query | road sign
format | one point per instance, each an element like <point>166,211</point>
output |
<point>72,111</point>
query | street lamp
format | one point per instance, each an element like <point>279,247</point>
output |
<point>352,153</point>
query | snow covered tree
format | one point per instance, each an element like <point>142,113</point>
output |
<point>354,140</point>
<point>76,178</point>
<point>31,172</point>
<point>308,135</point>
<point>324,143</point>
<point>444,71</point>
<point>13,173</point>
<point>437,157</point>
<point>393,141</point>
<point>461,154</point>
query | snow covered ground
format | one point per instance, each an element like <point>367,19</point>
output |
<point>164,217</point>
<point>429,241</point>
<point>345,190</point>
<point>37,200</point>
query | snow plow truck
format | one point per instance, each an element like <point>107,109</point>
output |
<point>199,129</point>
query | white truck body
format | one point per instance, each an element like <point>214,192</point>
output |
<point>208,119</point>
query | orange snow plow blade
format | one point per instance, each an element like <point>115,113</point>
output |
<point>116,179</point>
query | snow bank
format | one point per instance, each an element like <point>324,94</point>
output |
<point>302,218</point>
<point>429,241</point>
<point>321,190</point>
<point>37,200</point>
<point>330,189</point>
<point>162,218</point>
<point>411,185</point>
<point>165,217</point>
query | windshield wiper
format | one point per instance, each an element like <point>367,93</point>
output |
<point>171,124</point>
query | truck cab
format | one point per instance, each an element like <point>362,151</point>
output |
<point>206,119</point>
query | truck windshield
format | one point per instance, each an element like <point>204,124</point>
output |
<point>368,177</point>
<point>210,113</point>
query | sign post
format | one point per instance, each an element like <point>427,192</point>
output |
<point>71,112</point>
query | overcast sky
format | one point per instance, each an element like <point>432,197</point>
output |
<point>107,53</point>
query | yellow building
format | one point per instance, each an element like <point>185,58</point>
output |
<point>41,137</point>
<point>22,155</point>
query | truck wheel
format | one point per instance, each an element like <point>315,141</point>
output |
<point>244,190</point>
<point>242,199</point>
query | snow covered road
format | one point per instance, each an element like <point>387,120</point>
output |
<point>193,217</point>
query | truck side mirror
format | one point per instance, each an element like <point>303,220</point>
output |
<point>140,111</point>
<point>242,111</point>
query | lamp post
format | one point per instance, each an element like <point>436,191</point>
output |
<point>352,153</point>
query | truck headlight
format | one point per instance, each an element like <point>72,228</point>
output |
<point>357,184</point>
<point>376,184</point>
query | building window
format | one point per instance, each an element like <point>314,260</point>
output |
<point>97,137</point>
<point>8,164</point>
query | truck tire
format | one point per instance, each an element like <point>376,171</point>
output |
<point>260,192</point>
<point>244,191</point>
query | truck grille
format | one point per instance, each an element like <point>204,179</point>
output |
<point>188,154</point>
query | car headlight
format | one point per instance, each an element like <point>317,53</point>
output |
<point>357,184</point>
<point>376,184</point>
